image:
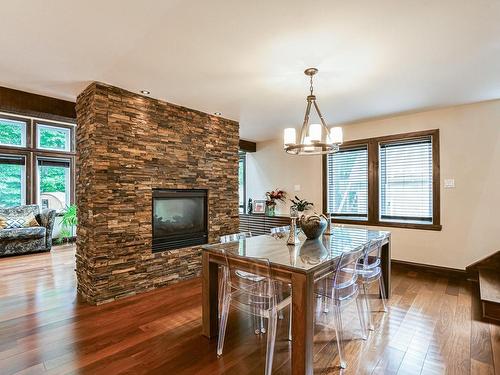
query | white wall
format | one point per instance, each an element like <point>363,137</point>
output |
<point>469,153</point>
<point>272,168</point>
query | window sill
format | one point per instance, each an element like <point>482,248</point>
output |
<point>435,227</point>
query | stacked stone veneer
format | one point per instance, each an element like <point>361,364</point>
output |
<point>128,144</point>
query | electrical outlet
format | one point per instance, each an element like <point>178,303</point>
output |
<point>449,183</point>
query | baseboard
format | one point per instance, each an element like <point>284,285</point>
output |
<point>430,267</point>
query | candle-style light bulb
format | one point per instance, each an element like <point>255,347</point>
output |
<point>336,135</point>
<point>289,136</point>
<point>307,141</point>
<point>315,132</point>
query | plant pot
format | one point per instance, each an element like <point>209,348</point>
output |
<point>270,210</point>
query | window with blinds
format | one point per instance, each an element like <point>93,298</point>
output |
<point>347,183</point>
<point>405,181</point>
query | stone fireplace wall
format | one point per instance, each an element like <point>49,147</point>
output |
<point>128,144</point>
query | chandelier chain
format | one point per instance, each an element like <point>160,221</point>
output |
<point>311,86</point>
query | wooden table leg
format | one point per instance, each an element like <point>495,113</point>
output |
<point>386,267</point>
<point>209,295</point>
<point>302,324</point>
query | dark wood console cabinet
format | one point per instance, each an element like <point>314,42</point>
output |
<point>261,224</point>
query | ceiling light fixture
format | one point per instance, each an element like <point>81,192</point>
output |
<point>314,138</point>
<point>145,92</point>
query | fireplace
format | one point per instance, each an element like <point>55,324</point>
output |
<point>179,218</point>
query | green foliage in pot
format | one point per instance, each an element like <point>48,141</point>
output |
<point>300,204</point>
<point>69,220</point>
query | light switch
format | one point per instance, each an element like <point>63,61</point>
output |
<point>296,187</point>
<point>449,183</point>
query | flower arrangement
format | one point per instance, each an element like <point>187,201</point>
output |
<point>300,204</point>
<point>273,196</point>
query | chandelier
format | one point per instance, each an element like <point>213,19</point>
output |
<point>314,138</point>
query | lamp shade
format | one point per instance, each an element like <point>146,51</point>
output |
<point>289,136</point>
<point>315,132</point>
<point>336,135</point>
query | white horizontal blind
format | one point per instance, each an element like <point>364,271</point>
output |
<point>347,183</point>
<point>406,180</point>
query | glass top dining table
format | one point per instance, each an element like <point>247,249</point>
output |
<point>299,265</point>
<point>306,255</point>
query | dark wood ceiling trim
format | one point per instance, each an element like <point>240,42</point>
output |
<point>248,146</point>
<point>28,104</point>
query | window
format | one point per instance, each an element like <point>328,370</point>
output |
<point>53,137</point>
<point>241,181</point>
<point>406,181</point>
<point>12,132</point>
<point>348,183</point>
<point>53,183</point>
<point>12,180</point>
<point>386,181</point>
<point>38,169</point>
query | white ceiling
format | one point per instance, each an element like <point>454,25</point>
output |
<point>245,58</point>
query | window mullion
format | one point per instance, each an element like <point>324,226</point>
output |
<point>436,180</point>
<point>373,188</point>
<point>30,178</point>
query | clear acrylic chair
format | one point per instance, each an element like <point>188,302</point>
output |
<point>259,326</point>
<point>260,298</point>
<point>340,288</point>
<point>235,237</point>
<point>370,271</point>
<point>280,232</point>
<point>282,229</point>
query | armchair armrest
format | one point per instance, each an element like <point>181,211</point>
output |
<point>47,219</point>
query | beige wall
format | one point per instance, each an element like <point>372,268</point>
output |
<point>470,154</point>
<point>271,168</point>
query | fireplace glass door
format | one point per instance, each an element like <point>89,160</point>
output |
<point>179,218</point>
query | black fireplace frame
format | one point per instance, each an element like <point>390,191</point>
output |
<point>177,241</point>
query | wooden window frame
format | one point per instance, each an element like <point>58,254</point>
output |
<point>27,136</point>
<point>373,181</point>
<point>52,124</point>
<point>58,157</point>
<point>353,145</point>
<point>242,156</point>
<point>32,153</point>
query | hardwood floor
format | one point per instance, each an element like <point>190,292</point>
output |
<point>432,327</point>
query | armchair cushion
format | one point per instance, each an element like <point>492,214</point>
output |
<point>13,221</point>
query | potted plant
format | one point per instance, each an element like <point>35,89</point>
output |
<point>272,197</point>
<point>300,205</point>
<point>68,223</point>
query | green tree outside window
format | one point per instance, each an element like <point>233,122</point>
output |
<point>11,133</point>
